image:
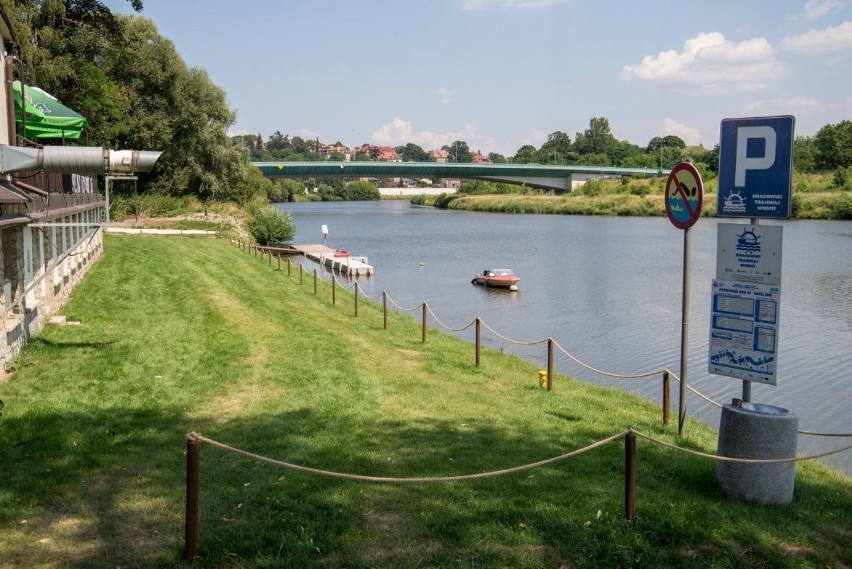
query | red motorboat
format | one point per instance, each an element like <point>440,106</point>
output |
<point>497,278</point>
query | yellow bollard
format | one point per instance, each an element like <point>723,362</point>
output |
<point>542,379</point>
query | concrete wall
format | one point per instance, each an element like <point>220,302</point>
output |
<point>415,191</point>
<point>42,264</point>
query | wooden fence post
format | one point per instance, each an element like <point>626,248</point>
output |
<point>301,272</point>
<point>385,308</point>
<point>333,290</point>
<point>550,364</point>
<point>666,398</point>
<point>424,322</point>
<point>190,549</point>
<point>315,281</point>
<point>477,340</point>
<point>356,299</point>
<point>289,264</point>
<point>630,475</point>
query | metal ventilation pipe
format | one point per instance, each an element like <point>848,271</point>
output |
<point>92,160</point>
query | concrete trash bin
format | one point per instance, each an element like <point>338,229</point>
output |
<point>756,431</point>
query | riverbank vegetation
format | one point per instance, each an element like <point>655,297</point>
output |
<point>815,196</point>
<point>172,335</point>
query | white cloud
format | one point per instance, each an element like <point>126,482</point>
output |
<point>474,5</point>
<point>444,95</point>
<point>815,9</point>
<point>690,135</point>
<point>835,38</point>
<point>535,138</point>
<point>709,59</point>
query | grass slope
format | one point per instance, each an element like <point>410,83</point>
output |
<point>178,335</point>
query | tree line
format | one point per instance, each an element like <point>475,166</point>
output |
<point>138,93</point>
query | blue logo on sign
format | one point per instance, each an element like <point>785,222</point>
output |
<point>748,249</point>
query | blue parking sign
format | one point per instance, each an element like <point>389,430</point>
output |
<point>756,167</point>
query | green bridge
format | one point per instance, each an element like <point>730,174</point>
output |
<point>558,178</point>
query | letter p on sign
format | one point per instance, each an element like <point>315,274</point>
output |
<point>744,162</point>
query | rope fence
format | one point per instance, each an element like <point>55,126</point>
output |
<point>193,468</point>
<point>479,323</point>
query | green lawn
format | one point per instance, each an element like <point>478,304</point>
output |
<point>182,334</point>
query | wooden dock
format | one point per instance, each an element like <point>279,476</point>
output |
<point>349,265</point>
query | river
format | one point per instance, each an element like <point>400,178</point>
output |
<point>608,290</point>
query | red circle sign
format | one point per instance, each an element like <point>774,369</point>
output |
<point>684,195</point>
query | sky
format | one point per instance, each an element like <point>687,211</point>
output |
<point>499,74</point>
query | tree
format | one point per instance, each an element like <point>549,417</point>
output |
<point>805,154</point>
<point>834,146</point>
<point>526,154</point>
<point>362,190</point>
<point>658,142</point>
<point>497,158</point>
<point>597,139</point>
<point>458,151</point>
<point>555,150</point>
<point>412,153</point>
<point>624,153</point>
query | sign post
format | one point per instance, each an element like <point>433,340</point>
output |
<point>755,180</point>
<point>684,196</point>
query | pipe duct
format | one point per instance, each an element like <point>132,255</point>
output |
<point>91,160</point>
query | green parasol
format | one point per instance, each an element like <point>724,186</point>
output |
<point>46,117</point>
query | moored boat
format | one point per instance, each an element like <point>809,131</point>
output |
<point>497,278</point>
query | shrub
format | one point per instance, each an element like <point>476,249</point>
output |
<point>269,225</point>
<point>840,206</point>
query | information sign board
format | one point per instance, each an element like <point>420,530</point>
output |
<point>744,331</point>
<point>756,167</point>
<point>749,253</point>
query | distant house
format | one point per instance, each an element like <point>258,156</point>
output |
<point>480,159</point>
<point>380,153</point>
<point>328,149</point>
<point>439,155</point>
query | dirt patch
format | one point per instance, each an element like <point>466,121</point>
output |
<point>168,222</point>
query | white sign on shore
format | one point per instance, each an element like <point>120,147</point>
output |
<point>744,331</point>
<point>749,253</point>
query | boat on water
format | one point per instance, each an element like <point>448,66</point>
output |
<point>497,278</point>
